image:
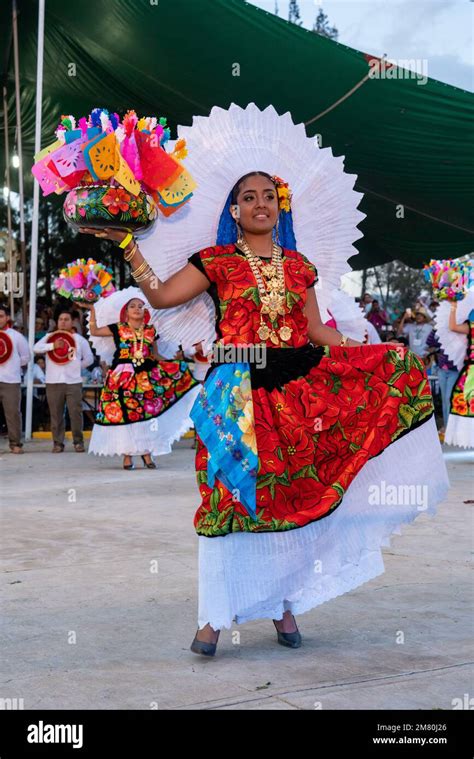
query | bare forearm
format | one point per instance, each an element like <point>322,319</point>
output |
<point>323,335</point>
<point>152,287</point>
<point>319,333</point>
<point>94,330</point>
<point>401,326</point>
<point>453,325</point>
<point>181,287</point>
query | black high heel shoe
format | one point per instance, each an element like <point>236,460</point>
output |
<point>204,648</point>
<point>291,640</point>
<point>129,466</point>
<point>149,464</point>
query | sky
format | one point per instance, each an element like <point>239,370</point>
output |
<point>437,31</point>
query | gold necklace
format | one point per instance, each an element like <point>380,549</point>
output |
<point>270,278</point>
<point>138,339</point>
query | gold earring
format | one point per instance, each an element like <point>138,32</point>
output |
<point>277,229</point>
<point>240,236</point>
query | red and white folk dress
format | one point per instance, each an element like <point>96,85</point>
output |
<point>347,452</point>
<point>460,427</point>
<point>144,405</point>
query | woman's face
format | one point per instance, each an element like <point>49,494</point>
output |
<point>258,205</point>
<point>135,309</point>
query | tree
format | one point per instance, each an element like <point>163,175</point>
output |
<point>294,13</point>
<point>321,26</point>
<point>59,244</point>
<point>396,285</point>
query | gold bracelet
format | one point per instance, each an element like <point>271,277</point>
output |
<point>140,269</point>
<point>136,272</point>
<point>128,256</point>
<point>146,275</point>
<point>143,273</point>
<point>344,340</point>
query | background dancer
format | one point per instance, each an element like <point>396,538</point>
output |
<point>139,387</point>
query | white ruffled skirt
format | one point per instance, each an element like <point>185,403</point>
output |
<point>155,436</point>
<point>245,576</point>
<point>460,431</point>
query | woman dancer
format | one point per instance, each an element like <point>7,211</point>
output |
<point>460,429</point>
<point>298,444</point>
<point>279,446</point>
<point>139,388</point>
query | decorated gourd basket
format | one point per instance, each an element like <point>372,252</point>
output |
<point>116,173</point>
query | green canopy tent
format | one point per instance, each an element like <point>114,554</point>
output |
<point>409,143</point>
<point>406,141</point>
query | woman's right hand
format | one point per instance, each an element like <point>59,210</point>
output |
<point>116,235</point>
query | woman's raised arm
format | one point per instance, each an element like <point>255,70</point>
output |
<point>179,288</point>
<point>453,325</point>
<point>94,330</point>
<point>182,286</point>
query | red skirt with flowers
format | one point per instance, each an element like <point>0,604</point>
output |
<point>143,394</point>
<point>315,433</point>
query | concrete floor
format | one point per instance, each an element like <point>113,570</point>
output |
<point>99,586</point>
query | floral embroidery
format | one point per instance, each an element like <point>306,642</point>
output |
<point>460,404</point>
<point>143,394</point>
<point>239,299</point>
<point>313,436</point>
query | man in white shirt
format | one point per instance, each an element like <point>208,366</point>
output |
<point>10,381</point>
<point>64,384</point>
<point>417,331</point>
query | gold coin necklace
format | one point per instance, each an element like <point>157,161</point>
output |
<point>270,278</point>
<point>137,339</point>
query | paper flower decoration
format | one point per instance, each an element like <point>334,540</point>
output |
<point>84,281</point>
<point>127,155</point>
<point>450,279</point>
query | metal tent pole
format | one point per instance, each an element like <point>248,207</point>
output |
<point>35,222</point>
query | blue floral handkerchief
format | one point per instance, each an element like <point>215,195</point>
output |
<point>224,420</point>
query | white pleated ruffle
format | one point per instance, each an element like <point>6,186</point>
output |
<point>245,576</point>
<point>460,431</point>
<point>154,436</point>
